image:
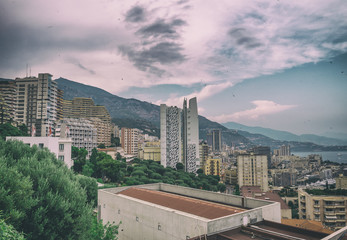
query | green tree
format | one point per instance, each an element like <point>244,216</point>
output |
<point>221,187</point>
<point>79,157</point>
<point>101,145</point>
<point>180,166</point>
<point>200,171</point>
<point>99,231</point>
<point>91,187</point>
<point>40,196</point>
<point>7,232</point>
<point>7,129</point>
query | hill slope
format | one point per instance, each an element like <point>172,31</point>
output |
<point>285,136</point>
<point>138,114</point>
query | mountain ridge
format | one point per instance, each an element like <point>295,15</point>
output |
<point>285,135</point>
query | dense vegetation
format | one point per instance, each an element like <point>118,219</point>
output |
<point>332,192</point>
<point>7,129</point>
<point>118,172</point>
<point>7,232</point>
<point>42,198</point>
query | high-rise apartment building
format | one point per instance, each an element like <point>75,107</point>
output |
<point>284,150</point>
<point>190,135</point>
<point>212,166</point>
<point>130,140</point>
<point>179,135</point>
<point>7,101</point>
<point>215,140</point>
<point>252,170</point>
<point>60,94</point>
<point>37,103</point>
<point>81,131</point>
<point>203,153</point>
<point>170,136</point>
<point>328,209</point>
<point>81,107</point>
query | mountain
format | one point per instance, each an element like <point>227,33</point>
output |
<point>139,114</point>
<point>286,136</point>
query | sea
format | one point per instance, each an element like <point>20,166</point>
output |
<point>333,156</point>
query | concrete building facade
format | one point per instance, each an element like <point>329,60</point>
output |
<point>212,166</point>
<point>81,131</point>
<point>37,104</point>
<point>330,210</point>
<point>252,170</point>
<point>150,151</point>
<point>179,135</point>
<point>130,140</point>
<point>61,147</point>
<point>7,101</point>
<point>163,211</point>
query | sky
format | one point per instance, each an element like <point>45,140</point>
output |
<point>276,64</point>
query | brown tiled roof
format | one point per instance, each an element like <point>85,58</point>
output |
<point>306,224</point>
<point>209,210</point>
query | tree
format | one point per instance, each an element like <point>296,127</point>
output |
<point>7,232</point>
<point>200,171</point>
<point>8,130</point>
<point>180,166</point>
<point>79,156</point>
<point>40,196</point>
<point>101,145</point>
<point>99,231</point>
<point>221,187</point>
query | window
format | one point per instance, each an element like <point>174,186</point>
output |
<point>61,147</point>
<point>41,145</point>
<point>61,158</point>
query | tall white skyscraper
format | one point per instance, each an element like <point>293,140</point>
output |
<point>179,135</point>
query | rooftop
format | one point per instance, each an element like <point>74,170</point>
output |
<point>201,208</point>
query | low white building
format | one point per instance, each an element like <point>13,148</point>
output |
<point>81,131</point>
<point>164,211</point>
<point>61,147</point>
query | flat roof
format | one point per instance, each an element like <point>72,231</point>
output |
<point>201,208</point>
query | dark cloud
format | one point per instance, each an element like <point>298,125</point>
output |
<point>135,14</point>
<point>162,53</point>
<point>162,29</point>
<point>242,38</point>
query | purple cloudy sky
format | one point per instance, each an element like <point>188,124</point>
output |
<point>277,64</point>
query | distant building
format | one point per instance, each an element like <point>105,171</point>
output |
<point>61,147</point>
<point>179,136</point>
<point>230,176</point>
<point>255,192</point>
<point>215,140</point>
<point>330,210</point>
<point>81,107</point>
<point>252,170</point>
<point>81,131</point>
<point>283,151</point>
<point>284,178</point>
<point>203,153</point>
<point>162,211</point>
<point>263,150</point>
<point>150,151</point>
<point>341,181</point>
<point>37,104</point>
<point>130,140</point>
<point>7,101</point>
<point>212,166</point>
<point>60,100</point>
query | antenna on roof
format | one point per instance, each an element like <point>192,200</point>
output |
<point>27,71</point>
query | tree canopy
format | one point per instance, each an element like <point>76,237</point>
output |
<point>41,197</point>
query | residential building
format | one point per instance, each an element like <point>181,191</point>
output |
<point>60,101</point>
<point>216,140</point>
<point>81,107</point>
<point>61,147</point>
<point>328,209</point>
<point>263,150</point>
<point>7,101</point>
<point>252,170</point>
<point>284,177</point>
<point>130,140</point>
<point>179,135</point>
<point>81,131</point>
<point>170,136</point>
<point>230,176</point>
<point>203,153</point>
<point>212,166</point>
<point>255,192</point>
<point>190,135</point>
<point>150,151</point>
<point>37,104</point>
<point>341,181</point>
<point>284,150</point>
<point>163,211</point>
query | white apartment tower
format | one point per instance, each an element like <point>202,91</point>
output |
<point>37,103</point>
<point>130,140</point>
<point>170,136</point>
<point>252,171</point>
<point>179,135</point>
